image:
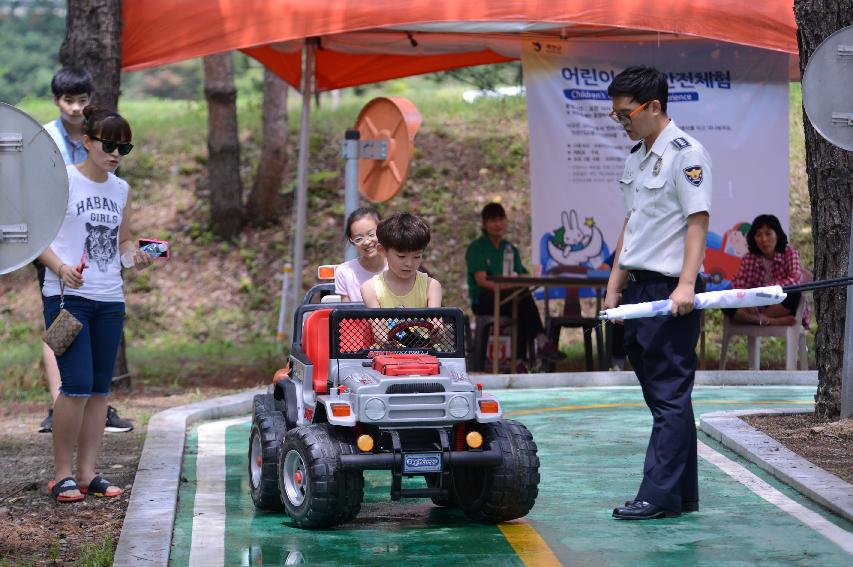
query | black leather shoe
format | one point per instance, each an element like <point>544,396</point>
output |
<point>685,506</point>
<point>641,511</point>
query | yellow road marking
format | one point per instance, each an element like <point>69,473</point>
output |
<point>637,405</point>
<point>528,544</point>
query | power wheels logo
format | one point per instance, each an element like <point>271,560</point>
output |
<point>422,462</point>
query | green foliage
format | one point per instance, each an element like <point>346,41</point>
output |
<point>21,379</point>
<point>30,36</point>
<point>483,77</point>
<point>96,554</point>
<point>184,80</point>
<point>178,359</point>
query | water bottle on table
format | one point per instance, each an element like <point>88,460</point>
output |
<point>509,260</point>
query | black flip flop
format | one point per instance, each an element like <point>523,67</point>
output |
<point>99,486</point>
<point>67,484</point>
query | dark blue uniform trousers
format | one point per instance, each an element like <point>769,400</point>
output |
<point>662,351</point>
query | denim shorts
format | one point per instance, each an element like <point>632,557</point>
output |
<point>86,368</point>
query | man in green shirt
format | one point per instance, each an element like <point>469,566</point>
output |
<point>485,257</point>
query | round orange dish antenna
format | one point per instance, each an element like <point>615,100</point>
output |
<point>395,121</point>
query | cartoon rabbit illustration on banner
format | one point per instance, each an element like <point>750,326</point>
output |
<point>575,243</point>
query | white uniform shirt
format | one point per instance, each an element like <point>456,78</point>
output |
<point>92,220</point>
<point>661,188</point>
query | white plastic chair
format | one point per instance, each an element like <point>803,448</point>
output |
<point>794,335</point>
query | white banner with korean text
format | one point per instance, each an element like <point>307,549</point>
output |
<point>733,99</point>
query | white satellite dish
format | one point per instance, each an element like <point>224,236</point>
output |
<point>827,84</point>
<point>33,189</point>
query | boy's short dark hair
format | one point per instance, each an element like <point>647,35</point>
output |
<point>403,232</point>
<point>493,211</point>
<point>642,84</point>
<point>71,81</point>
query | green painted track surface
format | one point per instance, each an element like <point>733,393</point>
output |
<point>591,446</point>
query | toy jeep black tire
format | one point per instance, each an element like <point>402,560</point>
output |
<point>263,404</point>
<point>315,491</point>
<point>506,492</point>
<point>264,444</point>
<point>432,481</point>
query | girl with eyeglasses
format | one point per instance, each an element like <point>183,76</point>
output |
<point>84,276</point>
<point>361,232</point>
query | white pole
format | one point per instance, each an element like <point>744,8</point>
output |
<point>302,180</point>
<point>286,281</point>
<point>350,152</point>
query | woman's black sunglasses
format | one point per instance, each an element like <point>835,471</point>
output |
<point>109,146</point>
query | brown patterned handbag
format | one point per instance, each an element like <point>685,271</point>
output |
<point>64,328</point>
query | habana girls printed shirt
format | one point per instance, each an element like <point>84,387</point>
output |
<point>91,225</point>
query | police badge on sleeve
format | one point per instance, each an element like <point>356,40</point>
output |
<point>694,174</point>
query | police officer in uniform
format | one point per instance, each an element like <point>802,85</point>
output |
<point>667,193</point>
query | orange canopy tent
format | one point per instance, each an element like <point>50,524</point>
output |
<point>366,41</point>
<point>340,43</point>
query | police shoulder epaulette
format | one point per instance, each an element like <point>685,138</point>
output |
<point>637,147</point>
<point>681,143</point>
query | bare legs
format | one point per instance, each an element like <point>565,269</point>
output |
<point>51,371</point>
<point>78,421</point>
<point>770,315</point>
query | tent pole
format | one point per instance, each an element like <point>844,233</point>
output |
<point>847,359</point>
<point>302,180</point>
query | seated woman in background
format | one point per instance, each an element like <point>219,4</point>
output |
<point>770,261</point>
<point>361,232</point>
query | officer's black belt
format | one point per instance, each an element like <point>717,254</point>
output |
<point>646,275</point>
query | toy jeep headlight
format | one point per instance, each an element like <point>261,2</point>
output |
<point>375,409</point>
<point>458,406</point>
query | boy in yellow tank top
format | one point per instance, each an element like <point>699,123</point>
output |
<point>403,238</point>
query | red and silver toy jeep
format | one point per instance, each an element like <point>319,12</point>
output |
<point>384,389</point>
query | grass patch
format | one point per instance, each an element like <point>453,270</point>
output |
<point>178,362</point>
<point>96,554</point>
<point>21,379</point>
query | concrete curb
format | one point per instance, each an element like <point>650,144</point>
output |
<point>146,535</point>
<point>820,486</point>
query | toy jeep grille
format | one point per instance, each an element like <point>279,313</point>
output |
<point>366,333</point>
<point>415,388</point>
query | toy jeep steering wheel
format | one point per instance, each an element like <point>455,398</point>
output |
<point>400,327</point>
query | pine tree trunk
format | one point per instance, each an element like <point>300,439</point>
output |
<point>223,165</point>
<point>265,200</point>
<point>830,175</point>
<point>93,42</point>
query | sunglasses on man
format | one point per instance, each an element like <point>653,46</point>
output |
<point>109,146</point>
